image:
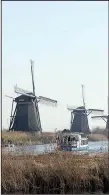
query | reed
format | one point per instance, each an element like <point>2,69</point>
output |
<point>24,138</point>
<point>60,172</point>
<point>97,137</point>
<point>27,138</point>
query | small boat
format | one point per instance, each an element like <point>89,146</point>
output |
<point>69,141</point>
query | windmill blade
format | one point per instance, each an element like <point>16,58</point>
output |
<point>23,92</point>
<point>46,100</point>
<point>32,73</point>
<point>95,110</point>
<point>83,96</point>
<point>102,116</point>
<point>9,97</point>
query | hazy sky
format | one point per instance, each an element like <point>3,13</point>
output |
<point>68,42</point>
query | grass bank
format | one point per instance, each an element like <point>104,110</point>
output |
<point>22,138</point>
<point>54,173</point>
<point>97,137</point>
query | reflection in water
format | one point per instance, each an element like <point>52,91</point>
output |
<point>94,147</point>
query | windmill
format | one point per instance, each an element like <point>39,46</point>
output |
<point>106,120</point>
<point>26,116</point>
<point>79,116</point>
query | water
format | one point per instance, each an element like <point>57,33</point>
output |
<point>32,149</point>
<point>94,147</point>
<point>98,146</point>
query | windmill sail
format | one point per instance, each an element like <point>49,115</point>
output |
<point>23,92</point>
<point>96,110</point>
<point>107,124</point>
<point>32,73</point>
<point>46,100</point>
<point>12,118</point>
<point>9,96</point>
<point>100,116</point>
<point>104,117</point>
<point>106,120</point>
<point>83,96</point>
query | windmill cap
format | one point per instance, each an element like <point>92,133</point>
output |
<point>23,98</point>
<point>80,109</point>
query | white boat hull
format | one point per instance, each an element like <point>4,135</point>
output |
<point>70,148</point>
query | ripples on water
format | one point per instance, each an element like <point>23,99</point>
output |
<point>94,147</point>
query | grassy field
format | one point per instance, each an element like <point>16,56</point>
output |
<point>18,138</point>
<point>54,173</point>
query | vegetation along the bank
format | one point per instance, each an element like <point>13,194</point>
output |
<point>22,138</point>
<point>55,173</point>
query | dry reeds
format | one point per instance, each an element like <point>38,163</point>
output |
<point>23,138</point>
<point>61,172</point>
<point>27,138</point>
<point>97,137</point>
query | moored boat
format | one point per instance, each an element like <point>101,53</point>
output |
<point>69,141</point>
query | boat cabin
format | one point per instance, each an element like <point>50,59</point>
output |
<point>72,140</point>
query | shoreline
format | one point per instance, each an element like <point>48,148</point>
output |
<point>97,137</point>
<point>27,139</point>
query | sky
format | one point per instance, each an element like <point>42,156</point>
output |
<point>68,42</point>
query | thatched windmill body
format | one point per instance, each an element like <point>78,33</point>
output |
<point>26,116</point>
<point>79,117</point>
